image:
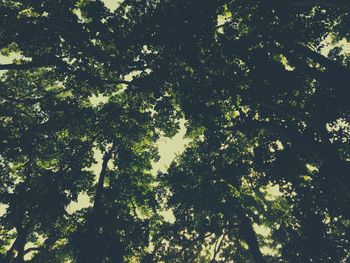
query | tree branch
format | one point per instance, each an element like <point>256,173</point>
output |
<point>25,66</point>
<point>218,246</point>
<point>306,142</point>
<point>31,249</point>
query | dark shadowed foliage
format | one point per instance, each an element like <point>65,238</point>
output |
<point>263,87</point>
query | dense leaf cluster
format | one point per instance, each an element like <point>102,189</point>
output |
<point>86,93</point>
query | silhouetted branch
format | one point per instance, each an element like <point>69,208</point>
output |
<point>31,249</point>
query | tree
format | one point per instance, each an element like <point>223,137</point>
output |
<point>266,108</point>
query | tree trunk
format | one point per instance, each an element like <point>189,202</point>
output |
<point>20,249</point>
<point>21,228</point>
<point>87,251</point>
<point>249,235</point>
<point>18,246</point>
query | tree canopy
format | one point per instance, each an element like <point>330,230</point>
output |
<point>262,87</point>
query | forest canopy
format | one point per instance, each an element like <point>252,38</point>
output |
<point>259,87</point>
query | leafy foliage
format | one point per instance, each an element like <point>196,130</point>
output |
<point>262,86</point>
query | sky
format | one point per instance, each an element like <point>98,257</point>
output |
<point>112,4</point>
